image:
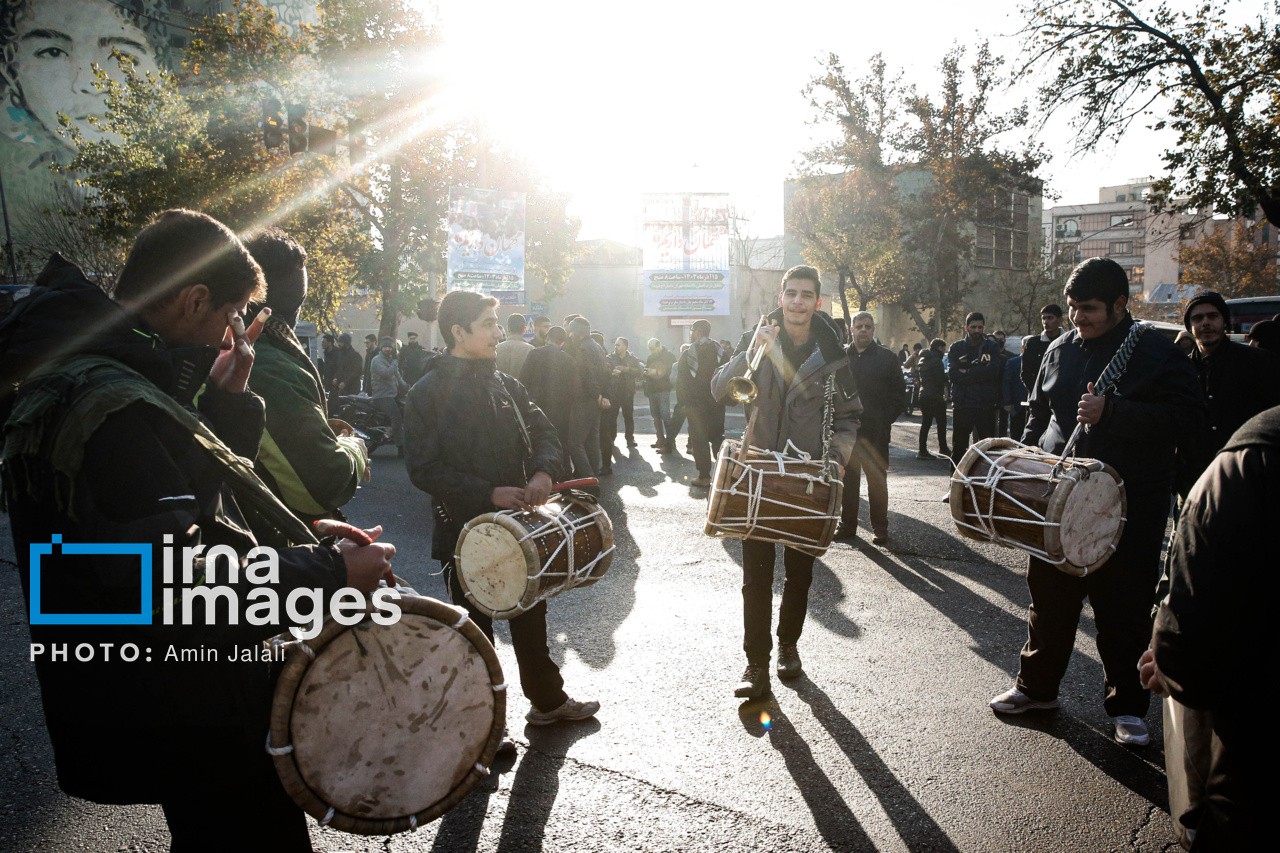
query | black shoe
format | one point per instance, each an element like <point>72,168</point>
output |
<point>606,472</point>
<point>924,454</point>
<point>631,442</point>
<point>754,683</point>
<point>846,532</point>
<point>881,539</point>
<point>789,661</point>
<point>507,747</point>
<point>945,451</point>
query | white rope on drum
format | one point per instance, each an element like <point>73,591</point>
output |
<point>328,816</point>
<point>575,575</point>
<point>997,473</point>
<point>277,750</point>
<point>753,491</point>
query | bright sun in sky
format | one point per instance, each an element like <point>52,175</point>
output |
<point>613,100</point>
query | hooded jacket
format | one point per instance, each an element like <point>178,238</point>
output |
<point>1156,407</point>
<point>794,413</point>
<point>463,439</point>
<point>310,468</point>
<point>94,464</point>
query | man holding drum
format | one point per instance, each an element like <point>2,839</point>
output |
<point>153,386</point>
<point>802,349</point>
<point>477,443</point>
<point>1157,405</point>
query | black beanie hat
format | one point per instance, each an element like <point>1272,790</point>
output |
<point>1211,298</point>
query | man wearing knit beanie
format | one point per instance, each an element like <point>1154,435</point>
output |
<point>1239,382</point>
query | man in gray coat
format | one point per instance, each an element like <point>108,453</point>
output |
<point>802,351</point>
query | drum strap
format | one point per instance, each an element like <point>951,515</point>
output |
<point>1106,382</point>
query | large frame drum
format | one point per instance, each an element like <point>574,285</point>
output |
<point>772,496</point>
<point>509,561</point>
<point>378,729</point>
<point>1006,492</point>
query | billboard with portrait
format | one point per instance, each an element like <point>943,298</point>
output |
<point>486,243</point>
<point>685,246</point>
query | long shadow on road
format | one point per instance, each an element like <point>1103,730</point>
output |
<point>997,636</point>
<point>834,819</point>
<point>916,827</point>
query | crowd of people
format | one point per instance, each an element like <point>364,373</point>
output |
<point>131,417</point>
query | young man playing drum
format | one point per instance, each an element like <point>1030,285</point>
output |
<point>1157,406</point>
<point>802,348</point>
<point>476,443</point>
<point>146,397</point>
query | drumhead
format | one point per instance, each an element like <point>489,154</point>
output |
<point>492,566</point>
<point>389,719</point>
<point>1092,519</point>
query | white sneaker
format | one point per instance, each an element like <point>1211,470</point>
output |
<point>1016,702</point>
<point>1132,731</point>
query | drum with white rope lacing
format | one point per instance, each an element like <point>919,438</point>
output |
<point>785,497</point>
<point>1068,512</point>
<point>508,561</point>
<point>381,728</point>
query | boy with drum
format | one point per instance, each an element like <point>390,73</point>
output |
<point>476,443</point>
<point>802,348</point>
<point>1156,407</point>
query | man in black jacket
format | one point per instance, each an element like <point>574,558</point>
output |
<point>878,376</point>
<point>413,359</point>
<point>933,398</point>
<point>476,443</point>
<point>1238,380</point>
<point>105,445</point>
<point>1035,346</point>
<point>974,367</point>
<point>347,370</point>
<point>657,387</point>
<point>583,443</point>
<point>551,376</point>
<point>1210,632</point>
<point>1156,407</point>
<point>706,415</point>
<point>624,370</point>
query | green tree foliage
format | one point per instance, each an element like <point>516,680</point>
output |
<point>845,211</point>
<point>1230,260</point>
<point>381,55</point>
<point>1213,81</point>
<point>891,200</point>
<point>191,139</point>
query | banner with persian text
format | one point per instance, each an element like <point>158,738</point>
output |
<point>685,246</point>
<point>486,243</point>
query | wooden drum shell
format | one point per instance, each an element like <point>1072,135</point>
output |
<point>399,708</point>
<point>1046,501</point>
<point>590,539</point>
<point>806,521</point>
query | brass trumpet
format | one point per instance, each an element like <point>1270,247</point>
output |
<point>741,388</point>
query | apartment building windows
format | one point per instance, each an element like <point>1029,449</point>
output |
<point>1003,232</point>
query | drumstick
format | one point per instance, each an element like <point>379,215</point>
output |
<point>575,484</point>
<point>329,527</point>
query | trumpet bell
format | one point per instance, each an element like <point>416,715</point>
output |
<point>743,390</point>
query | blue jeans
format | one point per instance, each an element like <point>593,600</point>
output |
<point>660,409</point>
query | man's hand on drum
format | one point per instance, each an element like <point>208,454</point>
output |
<point>1091,407</point>
<point>538,489</point>
<point>1149,674</point>
<point>367,564</point>
<point>508,497</point>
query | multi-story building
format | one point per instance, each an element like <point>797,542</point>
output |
<point>1122,227</point>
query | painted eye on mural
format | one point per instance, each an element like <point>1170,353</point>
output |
<point>52,53</point>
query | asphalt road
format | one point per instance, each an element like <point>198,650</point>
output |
<point>886,743</point>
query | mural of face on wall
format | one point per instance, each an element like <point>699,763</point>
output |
<point>49,50</point>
